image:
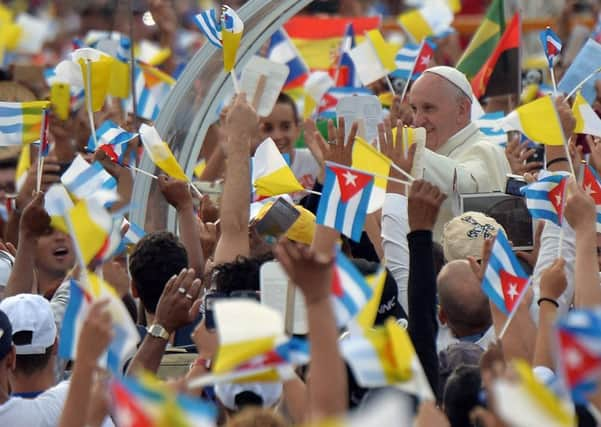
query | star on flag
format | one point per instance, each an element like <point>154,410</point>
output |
<point>513,287</point>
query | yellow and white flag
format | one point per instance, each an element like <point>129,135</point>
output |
<point>538,120</point>
<point>96,68</point>
<point>232,28</point>
<point>367,158</point>
<point>432,19</point>
<point>270,174</point>
<point>587,121</point>
<point>159,153</point>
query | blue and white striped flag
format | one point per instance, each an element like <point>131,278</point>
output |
<point>134,233</point>
<point>489,125</point>
<point>125,334</point>
<point>85,180</point>
<point>545,197</point>
<point>210,26</point>
<point>350,290</point>
<point>404,60</point>
<point>504,280</point>
<point>112,139</point>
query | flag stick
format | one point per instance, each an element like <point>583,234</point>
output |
<point>583,82</point>
<point>401,171</point>
<point>553,81</point>
<point>421,46</point>
<point>514,311</point>
<point>195,190</point>
<point>132,71</point>
<point>405,89</point>
<point>390,86</point>
<point>142,171</point>
<point>89,102</point>
<point>565,146</point>
<point>317,193</point>
<point>236,82</point>
<point>592,409</point>
<point>43,145</point>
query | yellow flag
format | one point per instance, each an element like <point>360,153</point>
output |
<point>587,121</point>
<point>23,166</point>
<point>120,78</point>
<point>367,315</point>
<point>386,52</point>
<point>231,355</point>
<point>394,350</point>
<point>309,106</point>
<point>368,159</point>
<point>199,168</point>
<point>99,73</point>
<point>160,153</point>
<point>60,97</point>
<point>538,120</point>
<point>231,35</point>
<point>90,227</point>
<point>271,175</point>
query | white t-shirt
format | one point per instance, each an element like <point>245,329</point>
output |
<point>305,169</point>
<point>41,411</point>
<point>44,410</point>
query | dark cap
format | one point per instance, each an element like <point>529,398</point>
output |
<point>6,334</point>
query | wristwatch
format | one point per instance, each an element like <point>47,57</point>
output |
<point>157,331</point>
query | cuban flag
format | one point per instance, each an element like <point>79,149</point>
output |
<point>350,290</point>
<point>579,355</point>
<point>327,106</point>
<point>551,45</point>
<point>125,334</point>
<point>413,59</point>
<point>504,280</point>
<point>282,50</point>
<point>347,76</point>
<point>344,200</point>
<point>112,139</point>
<point>591,183</point>
<point>545,197</point>
<point>489,125</point>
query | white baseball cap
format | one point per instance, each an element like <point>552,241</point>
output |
<point>31,313</point>
<point>454,76</point>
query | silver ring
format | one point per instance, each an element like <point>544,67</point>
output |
<point>181,290</point>
<point>332,142</point>
<point>190,297</point>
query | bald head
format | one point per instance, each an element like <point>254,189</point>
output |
<point>440,106</point>
<point>462,301</point>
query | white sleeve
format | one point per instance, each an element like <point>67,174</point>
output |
<point>59,303</point>
<point>439,170</point>
<point>395,226</point>
<point>548,253</point>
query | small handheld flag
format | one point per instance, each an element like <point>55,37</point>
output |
<point>504,280</point>
<point>111,139</point>
<point>344,200</point>
<point>350,291</point>
<point>420,64</point>
<point>552,47</point>
<point>160,154</point>
<point>21,122</point>
<point>591,183</point>
<point>545,198</point>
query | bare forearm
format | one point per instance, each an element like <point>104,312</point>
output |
<point>215,166</point>
<point>235,204</point>
<point>78,399</point>
<point>295,399</point>
<point>21,277</point>
<point>587,290</point>
<point>517,342</point>
<point>11,232</point>
<point>188,231</point>
<point>542,351</point>
<point>149,355</point>
<point>327,379</point>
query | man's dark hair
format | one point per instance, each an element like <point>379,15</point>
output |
<point>243,274</point>
<point>30,364</point>
<point>156,257</point>
<point>461,394</point>
<point>287,99</point>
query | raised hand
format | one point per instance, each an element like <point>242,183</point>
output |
<point>553,280</point>
<point>579,208</point>
<point>96,333</point>
<point>176,192</point>
<point>179,301</point>
<point>241,125</point>
<point>393,148</point>
<point>309,270</point>
<point>424,204</point>
<point>35,222</point>
<point>517,155</point>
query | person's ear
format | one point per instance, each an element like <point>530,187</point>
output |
<point>134,289</point>
<point>54,350</point>
<point>442,316</point>
<point>11,359</point>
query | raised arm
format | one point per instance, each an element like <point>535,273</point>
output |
<point>177,194</point>
<point>312,272</point>
<point>34,223</point>
<point>240,126</point>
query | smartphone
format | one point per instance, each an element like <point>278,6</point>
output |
<point>514,185</point>
<point>278,219</point>
<point>538,155</point>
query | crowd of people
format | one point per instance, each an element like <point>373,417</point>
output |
<point>173,285</point>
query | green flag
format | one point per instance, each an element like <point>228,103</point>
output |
<point>484,41</point>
